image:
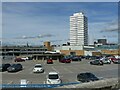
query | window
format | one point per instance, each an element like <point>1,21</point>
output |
<point>72,53</point>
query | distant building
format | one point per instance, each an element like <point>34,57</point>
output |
<point>102,41</point>
<point>78,29</point>
<point>22,50</point>
<point>47,44</point>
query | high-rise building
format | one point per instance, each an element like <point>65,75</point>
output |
<point>78,29</point>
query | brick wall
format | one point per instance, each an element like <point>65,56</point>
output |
<point>67,52</point>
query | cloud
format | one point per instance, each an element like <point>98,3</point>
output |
<point>30,19</point>
<point>45,35</point>
<point>24,20</point>
<point>110,27</point>
<point>35,37</point>
<point>107,30</point>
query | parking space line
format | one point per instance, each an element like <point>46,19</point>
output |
<point>44,62</point>
<point>73,68</point>
<point>77,80</point>
<point>30,69</point>
<point>44,82</point>
<point>55,69</point>
<point>31,72</point>
<point>11,82</point>
<point>44,73</point>
<point>68,70</point>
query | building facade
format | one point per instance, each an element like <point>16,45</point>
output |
<point>78,29</point>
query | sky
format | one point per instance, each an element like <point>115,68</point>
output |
<point>36,22</point>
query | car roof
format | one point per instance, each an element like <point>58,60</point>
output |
<point>85,73</point>
<point>97,59</point>
<point>53,73</point>
<point>15,64</point>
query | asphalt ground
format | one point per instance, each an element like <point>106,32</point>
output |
<point>67,71</point>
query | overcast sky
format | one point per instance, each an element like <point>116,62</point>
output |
<point>36,22</point>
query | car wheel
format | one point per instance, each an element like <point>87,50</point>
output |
<point>87,81</point>
<point>109,62</point>
<point>78,79</point>
<point>91,63</point>
<point>43,71</point>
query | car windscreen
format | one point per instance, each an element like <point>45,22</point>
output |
<point>83,75</point>
<point>90,75</point>
<point>1,66</point>
<point>97,60</point>
<point>53,76</point>
<point>38,66</point>
<point>13,65</point>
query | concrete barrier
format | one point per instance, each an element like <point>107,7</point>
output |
<point>105,84</point>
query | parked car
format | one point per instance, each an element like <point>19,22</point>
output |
<point>96,62</point>
<point>19,60</point>
<point>95,57</point>
<point>76,59</point>
<point>23,83</point>
<point>53,78</point>
<point>86,77</point>
<point>38,68</point>
<point>65,60</point>
<point>49,61</point>
<point>113,59</point>
<point>25,58</point>
<point>117,61</point>
<point>14,68</point>
<point>4,67</point>
<point>106,61</point>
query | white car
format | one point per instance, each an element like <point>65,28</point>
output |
<point>23,82</point>
<point>106,61</point>
<point>25,58</point>
<point>53,78</point>
<point>38,68</point>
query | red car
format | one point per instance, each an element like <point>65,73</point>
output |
<point>113,59</point>
<point>65,60</point>
<point>19,60</point>
<point>49,61</point>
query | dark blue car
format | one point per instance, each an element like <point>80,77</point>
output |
<point>14,68</point>
<point>4,67</point>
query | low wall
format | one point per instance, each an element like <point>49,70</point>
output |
<point>106,84</point>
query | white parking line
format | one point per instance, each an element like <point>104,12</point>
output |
<point>30,69</point>
<point>44,73</point>
<point>55,69</point>
<point>76,80</point>
<point>68,70</point>
<point>31,72</point>
<point>11,82</point>
<point>44,82</point>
